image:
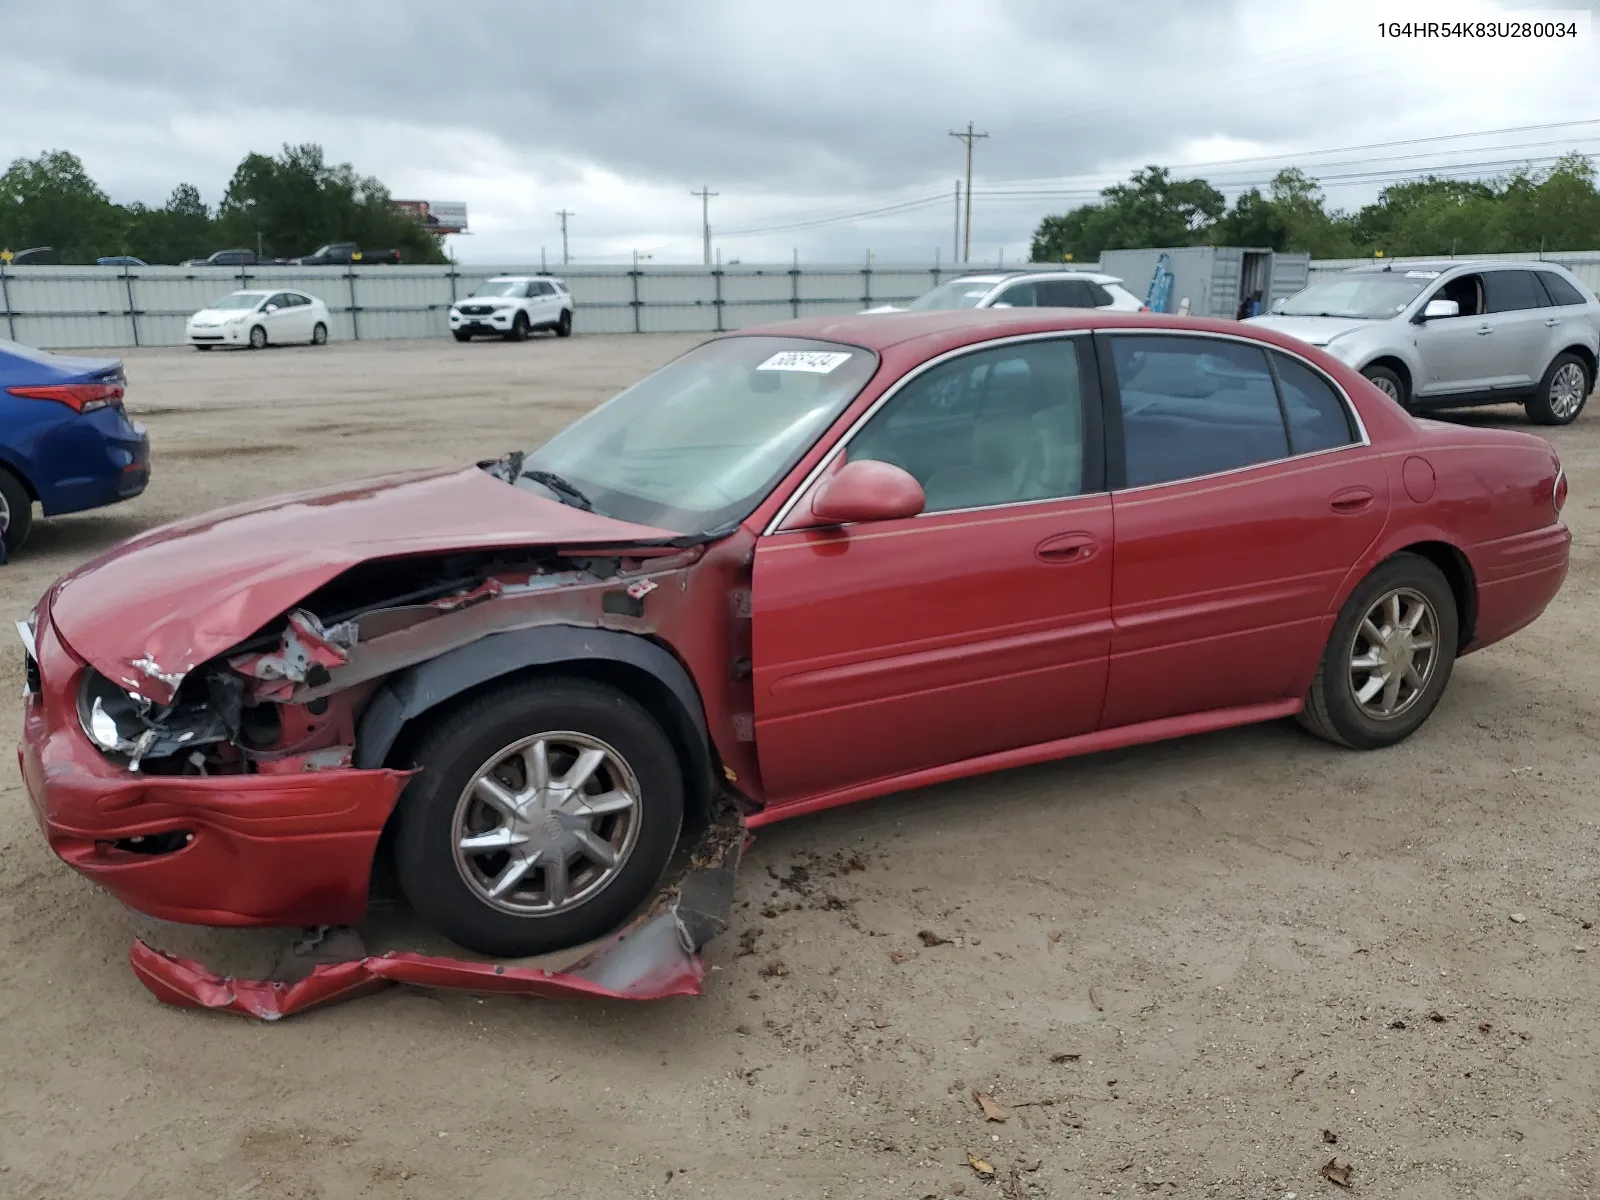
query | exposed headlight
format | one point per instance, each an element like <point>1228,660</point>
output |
<point>111,718</point>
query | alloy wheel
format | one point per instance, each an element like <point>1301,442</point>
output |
<point>1567,390</point>
<point>1394,653</point>
<point>1387,386</point>
<point>546,823</point>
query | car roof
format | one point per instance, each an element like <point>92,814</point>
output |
<point>965,326</point>
<point>523,278</point>
<point>1447,264</point>
<point>1047,273</point>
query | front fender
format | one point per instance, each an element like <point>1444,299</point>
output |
<point>412,692</point>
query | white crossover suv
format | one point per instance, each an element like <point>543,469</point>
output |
<point>513,306</point>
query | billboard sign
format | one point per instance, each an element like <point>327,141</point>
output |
<point>436,216</point>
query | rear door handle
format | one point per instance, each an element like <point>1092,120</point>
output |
<point>1483,329</point>
<point>1551,323</point>
<point>1352,500</point>
<point>1067,547</point>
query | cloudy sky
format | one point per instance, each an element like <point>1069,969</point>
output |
<point>823,125</point>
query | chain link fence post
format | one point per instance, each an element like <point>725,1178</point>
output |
<point>133,316</point>
<point>866,282</point>
<point>794,284</point>
<point>716,279</point>
<point>355,321</point>
<point>637,324</point>
<point>5,297</point>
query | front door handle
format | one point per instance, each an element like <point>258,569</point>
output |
<point>1551,323</point>
<point>1067,547</point>
<point>1352,500</point>
<point>1483,329</point>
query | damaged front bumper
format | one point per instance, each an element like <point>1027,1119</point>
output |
<point>655,957</point>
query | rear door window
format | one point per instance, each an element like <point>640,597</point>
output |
<point>1510,291</point>
<point>1195,406</point>
<point>1065,293</point>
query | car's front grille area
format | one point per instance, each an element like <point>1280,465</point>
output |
<point>30,678</point>
<point>476,310</point>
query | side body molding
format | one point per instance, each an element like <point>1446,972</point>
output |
<point>415,690</point>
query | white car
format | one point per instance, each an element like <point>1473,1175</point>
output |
<point>512,306</point>
<point>1027,289</point>
<point>259,318</point>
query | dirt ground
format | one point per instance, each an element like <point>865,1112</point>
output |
<point>1181,970</point>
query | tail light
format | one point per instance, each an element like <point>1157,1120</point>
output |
<point>80,397</point>
<point>1559,492</point>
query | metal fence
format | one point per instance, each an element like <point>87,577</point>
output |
<point>66,307</point>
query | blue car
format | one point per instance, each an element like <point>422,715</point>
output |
<point>121,260</point>
<point>65,440</point>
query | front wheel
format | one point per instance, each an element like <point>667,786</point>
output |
<point>1389,658</point>
<point>258,338</point>
<point>543,815</point>
<point>461,335</point>
<point>564,325</point>
<point>1388,382</point>
<point>16,514</point>
<point>319,335</point>
<point>519,329</point>
<point>1562,392</point>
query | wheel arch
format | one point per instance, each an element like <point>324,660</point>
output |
<point>1454,565</point>
<point>643,669</point>
<point>1586,355</point>
<point>20,474</point>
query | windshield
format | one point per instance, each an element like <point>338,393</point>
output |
<point>500,287</point>
<point>241,300</point>
<point>958,293</point>
<point>703,440</point>
<point>1372,295</point>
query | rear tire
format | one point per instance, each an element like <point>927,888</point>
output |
<point>564,325</point>
<point>461,335</point>
<point>519,329</point>
<point>1389,383</point>
<point>1335,709</point>
<point>205,347</point>
<point>319,335</point>
<point>1562,392</point>
<point>16,513</point>
<point>444,804</point>
<point>258,338</point>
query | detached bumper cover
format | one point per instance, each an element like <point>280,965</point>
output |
<point>656,957</point>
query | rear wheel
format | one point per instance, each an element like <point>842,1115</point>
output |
<point>1388,659</point>
<point>461,335</point>
<point>519,329</point>
<point>258,338</point>
<point>203,347</point>
<point>564,325</point>
<point>1562,392</point>
<point>1388,382</point>
<point>544,813</point>
<point>319,335</point>
<point>16,513</point>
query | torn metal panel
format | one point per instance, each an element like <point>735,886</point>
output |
<point>308,651</point>
<point>656,957</point>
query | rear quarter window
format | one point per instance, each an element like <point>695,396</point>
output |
<point>1318,419</point>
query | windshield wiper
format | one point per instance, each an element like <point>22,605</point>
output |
<point>567,492</point>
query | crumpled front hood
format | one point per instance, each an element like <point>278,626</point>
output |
<point>1316,331</point>
<point>148,611</point>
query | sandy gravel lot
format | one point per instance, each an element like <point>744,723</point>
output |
<point>1175,967</point>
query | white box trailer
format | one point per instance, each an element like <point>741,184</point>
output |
<point>1213,278</point>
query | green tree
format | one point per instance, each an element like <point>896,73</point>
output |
<point>1253,220</point>
<point>1428,216</point>
<point>1151,209</point>
<point>51,201</point>
<point>180,229</point>
<point>290,204</point>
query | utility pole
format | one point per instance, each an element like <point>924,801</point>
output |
<point>955,253</point>
<point>564,214</point>
<point>968,137</point>
<point>705,193</point>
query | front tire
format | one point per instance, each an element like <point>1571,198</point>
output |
<point>319,334</point>
<point>16,513</point>
<point>519,328</point>
<point>1388,659</point>
<point>564,325</point>
<point>258,338</point>
<point>461,335</point>
<point>1562,392</point>
<point>1389,383</point>
<point>543,815</point>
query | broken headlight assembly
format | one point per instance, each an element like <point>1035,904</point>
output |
<point>130,729</point>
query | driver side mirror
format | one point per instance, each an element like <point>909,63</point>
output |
<point>271,308</point>
<point>1000,304</point>
<point>867,490</point>
<point>1435,309</point>
<point>1277,305</point>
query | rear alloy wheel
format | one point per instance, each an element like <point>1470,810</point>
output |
<point>319,334</point>
<point>258,338</point>
<point>1388,382</point>
<point>1389,657</point>
<point>16,513</point>
<point>564,325</point>
<point>1562,392</point>
<point>519,329</point>
<point>543,815</point>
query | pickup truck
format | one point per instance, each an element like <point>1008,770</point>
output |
<point>344,253</point>
<point>232,258</point>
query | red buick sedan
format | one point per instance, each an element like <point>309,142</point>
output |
<point>800,566</point>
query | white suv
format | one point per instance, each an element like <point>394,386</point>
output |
<point>512,306</point>
<point>1026,289</point>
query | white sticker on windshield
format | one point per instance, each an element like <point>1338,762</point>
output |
<point>813,362</point>
<point>1423,274</point>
